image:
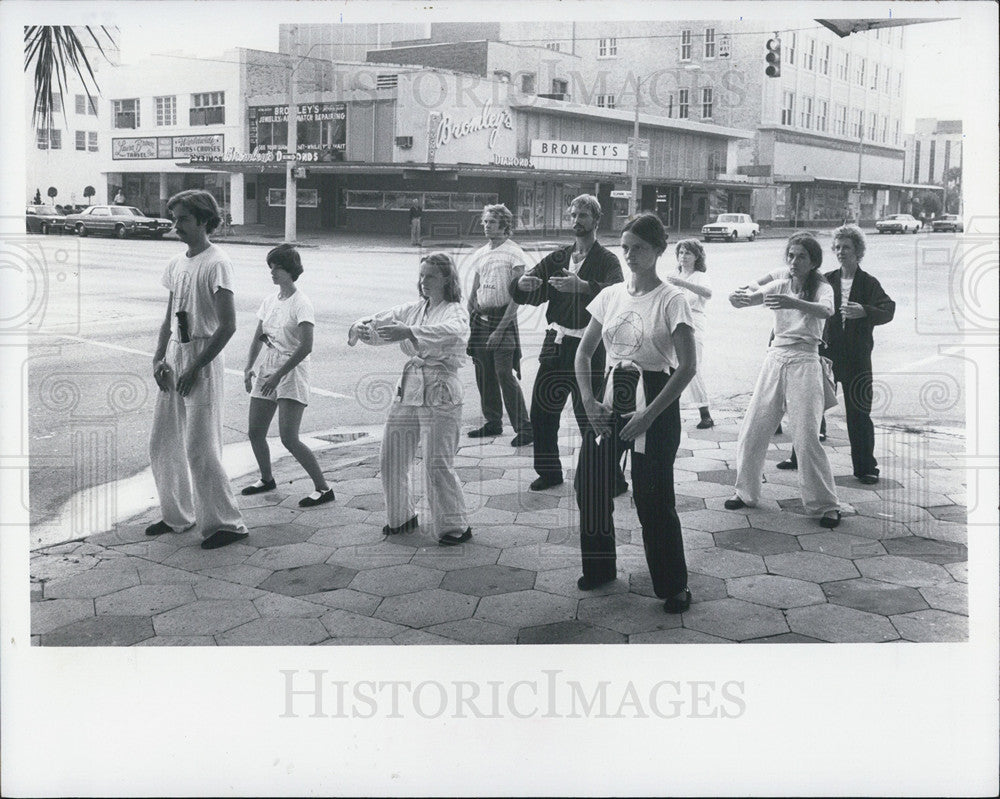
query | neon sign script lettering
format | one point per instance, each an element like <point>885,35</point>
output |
<point>487,120</point>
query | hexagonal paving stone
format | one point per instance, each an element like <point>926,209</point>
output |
<point>518,503</point>
<point>476,631</point>
<point>345,599</point>
<point>289,556</point>
<point>724,563</point>
<point>734,619</point>
<point>101,631</point>
<point>178,640</point>
<point>756,542</point>
<point>902,571</point>
<point>356,641</point>
<point>541,557</point>
<point>841,545</point>
<point>282,534</point>
<point>464,556</point>
<point>424,608</point>
<point>675,635</point>
<point>282,631</point>
<point>144,600</point>
<point>699,464</point>
<point>569,632</point>
<point>394,580</point>
<point>205,617</point>
<point>932,626</point>
<point>157,574</point>
<point>51,614</point>
<point>926,549</point>
<point>958,571</point>
<point>344,535</point>
<point>241,573</point>
<point>813,567</point>
<point>195,558</point>
<point>563,582</point>
<point>950,597</point>
<point>423,638</point>
<point>701,489</point>
<point>370,556</point>
<point>626,613</point>
<point>949,513</point>
<point>493,488</point>
<point>839,624</point>
<point>525,608</point>
<point>686,504</point>
<point>703,587</point>
<point>502,536</point>
<point>940,531</point>
<point>92,583</point>
<point>478,474</point>
<point>220,589</point>
<point>895,511</point>
<point>786,638</point>
<point>343,624</point>
<point>775,591</point>
<point>270,605</point>
<point>723,477</point>
<point>780,522</point>
<point>874,596</point>
<point>713,521</point>
<point>369,502</point>
<point>271,516</point>
<point>308,579</point>
<point>488,580</point>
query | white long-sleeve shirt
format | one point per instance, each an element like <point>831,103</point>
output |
<point>430,377</point>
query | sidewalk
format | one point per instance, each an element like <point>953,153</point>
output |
<point>895,569</point>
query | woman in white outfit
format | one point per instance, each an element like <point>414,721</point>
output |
<point>791,380</point>
<point>433,331</point>
<point>692,278</point>
<point>281,382</point>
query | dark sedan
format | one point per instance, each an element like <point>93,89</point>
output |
<point>120,221</point>
<point>948,223</point>
<point>42,219</point>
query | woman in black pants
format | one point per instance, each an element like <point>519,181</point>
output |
<point>646,328</point>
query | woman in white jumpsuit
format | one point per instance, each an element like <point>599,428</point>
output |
<point>433,331</point>
<point>692,278</point>
<point>285,324</point>
<point>791,380</point>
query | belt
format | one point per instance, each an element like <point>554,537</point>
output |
<point>561,332</point>
<point>412,383</point>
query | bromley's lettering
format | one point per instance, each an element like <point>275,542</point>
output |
<point>581,149</point>
<point>487,120</point>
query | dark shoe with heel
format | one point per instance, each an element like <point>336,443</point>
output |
<point>259,487</point>
<point>829,522</point>
<point>675,605</point>
<point>486,430</point>
<point>788,464</point>
<point>453,539</point>
<point>222,538</point>
<point>734,504</point>
<point>586,583</point>
<point>405,527</point>
<point>541,483</point>
<point>522,440</point>
<point>317,498</point>
<point>704,424</point>
<point>159,528</point>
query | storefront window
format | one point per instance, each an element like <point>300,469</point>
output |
<point>428,200</point>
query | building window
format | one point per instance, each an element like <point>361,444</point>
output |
<point>125,114</point>
<point>856,125</point>
<point>916,161</point>
<point>811,54</point>
<point>930,163</point>
<point>682,104</point>
<point>899,84</point>
<point>787,108</point>
<point>875,68</point>
<point>706,103</point>
<point>709,42</point>
<point>885,129</point>
<point>947,160</point>
<point>85,107</point>
<point>559,86</point>
<point>790,51</point>
<point>56,103</point>
<point>685,45</point>
<point>861,72</point>
<point>92,141</point>
<point>670,105</point>
<point>871,125</point>
<point>553,46</point>
<point>528,84</point>
<point>605,101</point>
<point>607,48</point>
<point>208,108</point>
<point>843,64</point>
<point>807,112</point>
<point>895,134</point>
<point>166,110</point>
<point>824,60</point>
<point>841,121</point>
<point>48,139</point>
<point>81,140</point>
<point>822,108</point>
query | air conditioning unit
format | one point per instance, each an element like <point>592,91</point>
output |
<point>404,142</point>
<point>299,173</point>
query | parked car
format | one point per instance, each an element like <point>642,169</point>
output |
<point>898,223</point>
<point>731,227</point>
<point>42,219</point>
<point>117,220</point>
<point>948,223</point>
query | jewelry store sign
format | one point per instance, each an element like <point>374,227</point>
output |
<point>579,156</point>
<point>166,147</point>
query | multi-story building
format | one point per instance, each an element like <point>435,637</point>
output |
<point>831,121</point>
<point>63,152</point>
<point>932,149</point>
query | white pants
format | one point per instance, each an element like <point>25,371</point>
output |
<point>790,381</point>
<point>695,394</point>
<point>438,426</point>
<point>185,448</point>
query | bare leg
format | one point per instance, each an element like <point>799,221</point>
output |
<point>289,420</point>
<point>261,414</point>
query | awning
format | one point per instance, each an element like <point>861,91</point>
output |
<point>845,27</point>
<point>887,184</point>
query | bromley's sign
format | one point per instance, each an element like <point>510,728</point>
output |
<point>488,119</point>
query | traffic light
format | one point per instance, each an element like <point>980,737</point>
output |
<point>773,58</point>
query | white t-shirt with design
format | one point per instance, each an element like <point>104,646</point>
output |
<point>193,282</point>
<point>696,301</point>
<point>496,269</point>
<point>791,326</point>
<point>280,320</point>
<point>640,329</point>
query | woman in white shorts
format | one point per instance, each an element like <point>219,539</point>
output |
<point>281,381</point>
<point>692,278</point>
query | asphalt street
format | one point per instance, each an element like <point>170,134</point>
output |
<point>97,305</point>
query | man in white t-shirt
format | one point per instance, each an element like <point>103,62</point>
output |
<point>185,446</point>
<point>494,343</point>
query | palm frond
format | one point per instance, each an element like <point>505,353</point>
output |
<point>55,50</point>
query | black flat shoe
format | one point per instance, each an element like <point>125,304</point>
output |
<point>704,424</point>
<point>675,605</point>
<point>405,527</point>
<point>522,440</point>
<point>586,583</point>
<point>734,504</point>
<point>317,498</point>
<point>485,430</point>
<point>868,479</point>
<point>259,487</point>
<point>541,483</point>
<point>222,538</point>
<point>830,522</point>
<point>787,464</point>
<point>453,539</point>
<point>159,528</point>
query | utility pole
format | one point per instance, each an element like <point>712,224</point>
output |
<point>633,200</point>
<point>291,208</point>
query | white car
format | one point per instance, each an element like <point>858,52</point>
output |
<point>898,223</point>
<point>731,227</point>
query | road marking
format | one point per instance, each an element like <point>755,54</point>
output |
<point>322,392</point>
